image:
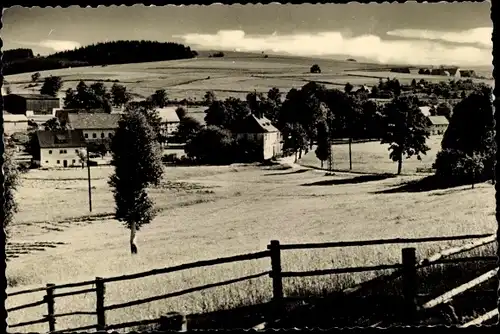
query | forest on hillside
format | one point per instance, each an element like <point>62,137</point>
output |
<point>100,54</point>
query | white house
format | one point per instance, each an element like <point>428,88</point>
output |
<point>261,130</point>
<point>437,125</point>
<point>96,127</point>
<point>169,120</point>
<point>60,149</point>
<point>14,123</point>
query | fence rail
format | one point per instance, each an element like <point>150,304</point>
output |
<point>407,269</point>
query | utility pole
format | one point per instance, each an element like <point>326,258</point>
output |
<point>350,154</point>
<point>90,186</point>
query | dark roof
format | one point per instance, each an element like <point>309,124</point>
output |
<point>94,121</point>
<point>36,96</point>
<point>254,124</point>
<point>68,138</point>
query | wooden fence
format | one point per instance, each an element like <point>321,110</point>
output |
<point>407,269</point>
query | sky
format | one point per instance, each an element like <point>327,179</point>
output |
<point>430,34</point>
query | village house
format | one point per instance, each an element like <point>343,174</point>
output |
<point>263,132</point>
<point>60,149</point>
<point>169,120</point>
<point>62,114</point>
<point>96,127</point>
<point>31,104</point>
<point>437,125</point>
<point>14,123</point>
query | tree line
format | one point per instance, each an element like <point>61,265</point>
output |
<point>315,115</point>
<point>100,54</point>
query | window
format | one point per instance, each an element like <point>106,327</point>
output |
<point>76,151</point>
<point>86,135</point>
<point>58,161</point>
<point>50,151</point>
<point>73,160</point>
<point>61,151</point>
<point>110,135</point>
<point>94,135</point>
<point>46,162</point>
<point>102,135</point>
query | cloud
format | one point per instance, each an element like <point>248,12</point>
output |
<point>420,52</point>
<point>481,36</point>
<point>56,45</point>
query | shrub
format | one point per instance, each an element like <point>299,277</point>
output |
<point>315,69</point>
<point>211,145</point>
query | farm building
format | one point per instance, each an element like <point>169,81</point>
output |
<point>96,127</point>
<point>62,114</point>
<point>169,120</point>
<point>31,104</point>
<point>60,149</point>
<point>263,132</point>
<point>437,124</point>
<point>14,123</point>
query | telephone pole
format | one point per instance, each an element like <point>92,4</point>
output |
<point>90,185</point>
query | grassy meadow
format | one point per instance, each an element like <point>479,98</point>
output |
<point>372,157</point>
<point>236,74</point>
<point>208,212</point>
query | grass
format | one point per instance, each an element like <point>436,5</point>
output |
<point>226,210</point>
<point>234,75</point>
<point>373,158</point>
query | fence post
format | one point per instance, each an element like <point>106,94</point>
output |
<point>274,247</point>
<point>277,302</point>
<point>49,298</point>
<point>101,312</point>
<point>410,284</point>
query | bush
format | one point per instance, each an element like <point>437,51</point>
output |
<point>454,165</point>
<point>219,54</point>
<point>315,69</point>
<point>211,145</point>
<point>170,158</point>
<point>245,150</point>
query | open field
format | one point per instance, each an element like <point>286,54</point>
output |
<point>372,157</point>
<point>234,75</point>
<point>207,212</point>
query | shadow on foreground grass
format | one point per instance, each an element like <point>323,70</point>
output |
<point>378,304</point>
<point>353,180</point>
<point>298,171</point>
<point>428,183</point>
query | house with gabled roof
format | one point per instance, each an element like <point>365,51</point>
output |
<point>169,120</point>
<point>260,130</point>
<point>96,127</point>
<point>60,149</point>
<point>437,125</point>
